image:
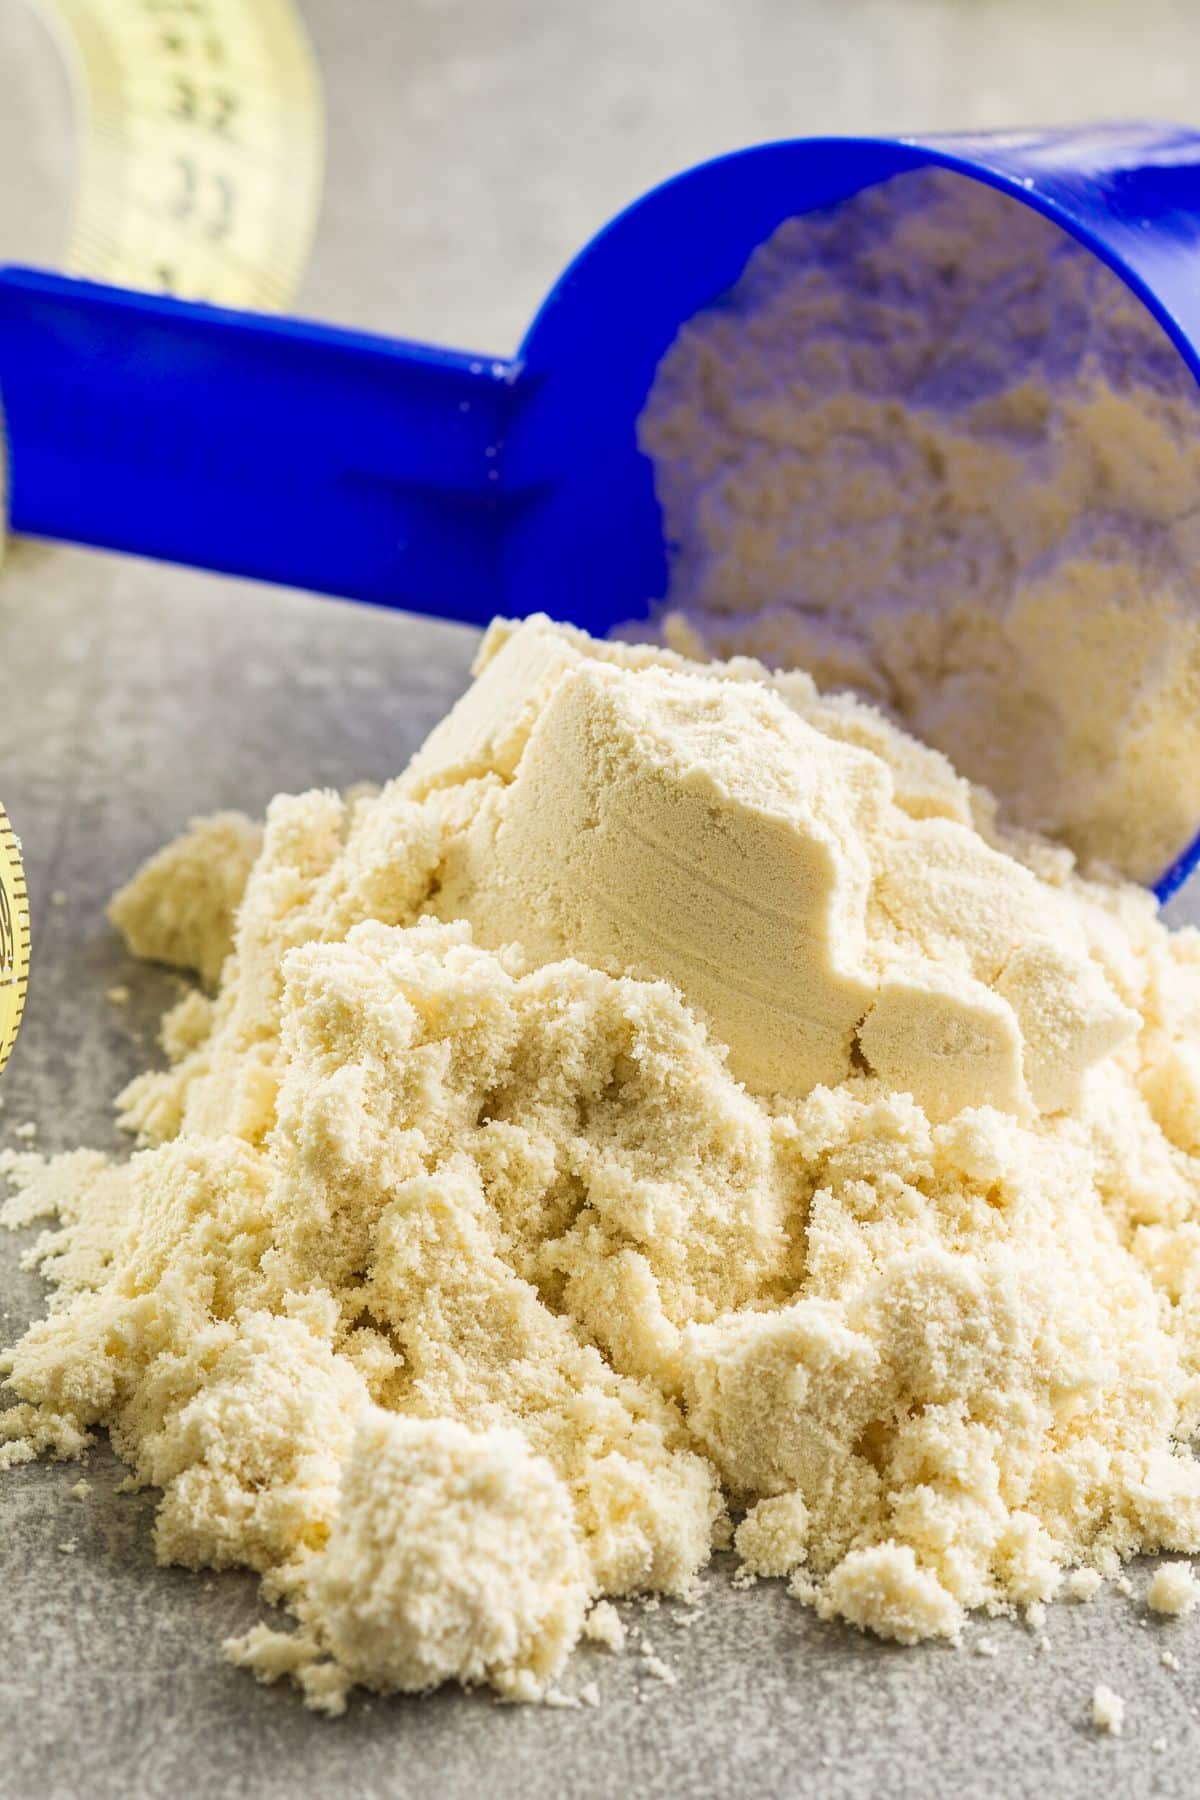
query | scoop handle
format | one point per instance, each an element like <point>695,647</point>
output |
<point>290,452</point>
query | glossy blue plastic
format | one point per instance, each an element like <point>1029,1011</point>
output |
<point>464,486</point>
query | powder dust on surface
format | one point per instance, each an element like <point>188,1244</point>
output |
<point>673,1107</point>
<point>932,448</point>
<point>1108,1710</point>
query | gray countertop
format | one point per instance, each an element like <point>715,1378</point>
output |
<point>471,149</point>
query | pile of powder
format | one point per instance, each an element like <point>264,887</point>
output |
<point>672,1105</point>
<point>932,449</point>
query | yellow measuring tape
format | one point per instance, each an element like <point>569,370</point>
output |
<point>201,166</point>
<point>14,937</point>
<point>202,146</point>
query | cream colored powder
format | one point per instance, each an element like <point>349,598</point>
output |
<point>1108,1711</point>
<point>1082,1585</point>
<point>932,449</point>
<point>181,908</point>
<point>605,1626</point>
<point>771,1539</point>
<point>453,1554</point>
<point>1173,1590</point>
<point>672,1098</point>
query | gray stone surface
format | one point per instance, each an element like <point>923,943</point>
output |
<point>472,148</point>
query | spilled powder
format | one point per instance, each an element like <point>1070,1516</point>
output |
<point>930,448</point>
<point>672,1107</point>
<point>1082,1585</point>
<point>1108,1710</point>
<point>604,1626</point>
<point>1173,1590</point>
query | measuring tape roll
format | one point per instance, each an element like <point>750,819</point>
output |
<point>201,168</point>
<point>202,146</point>
<point>14,937</point>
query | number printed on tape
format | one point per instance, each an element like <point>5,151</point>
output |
<point>14,938</point>
<point>203,146</point>
<point>200,175</point>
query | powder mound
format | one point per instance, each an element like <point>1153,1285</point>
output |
<point>885,1590</point>
<point>673,1099</point>
<point>641,800</point>
<point>932,449</point>
<point>453,1556</point>
<point>182,906</point>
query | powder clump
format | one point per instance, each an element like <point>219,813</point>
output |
<point>453,1555</point>
<point>1108,1711</point>
<point>673,1100</point>
<point>181,908</point>
<point>1173,1590</point>
<point>604,1626</point>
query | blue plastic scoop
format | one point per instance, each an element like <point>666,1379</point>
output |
<point>464,486</point>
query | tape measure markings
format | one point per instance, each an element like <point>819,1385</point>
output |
<point>14,937</point>
<point>200,169</point>
<point>202,146</point>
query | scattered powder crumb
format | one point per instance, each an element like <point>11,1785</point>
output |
<point>1169,1660</point>
<point>69,1546</point>
<point>985,1647</point>
<point>1082,1584</point>
<point>489,1242</point>
<point>604,1626</point>
<point>1035,1615</point>
<point>1108,1710</point>
<point>1043,1645</point>
<point>654,1665</point>
<point>1173,1590</point>
<point>1124,1586</point>
<point>1158,1745</point>
<point>27,1131</point>
<point>589,1694</point>
<point>118,996</point>
<point>81,1489</point>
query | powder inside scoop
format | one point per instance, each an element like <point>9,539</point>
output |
<point>932,449</point>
